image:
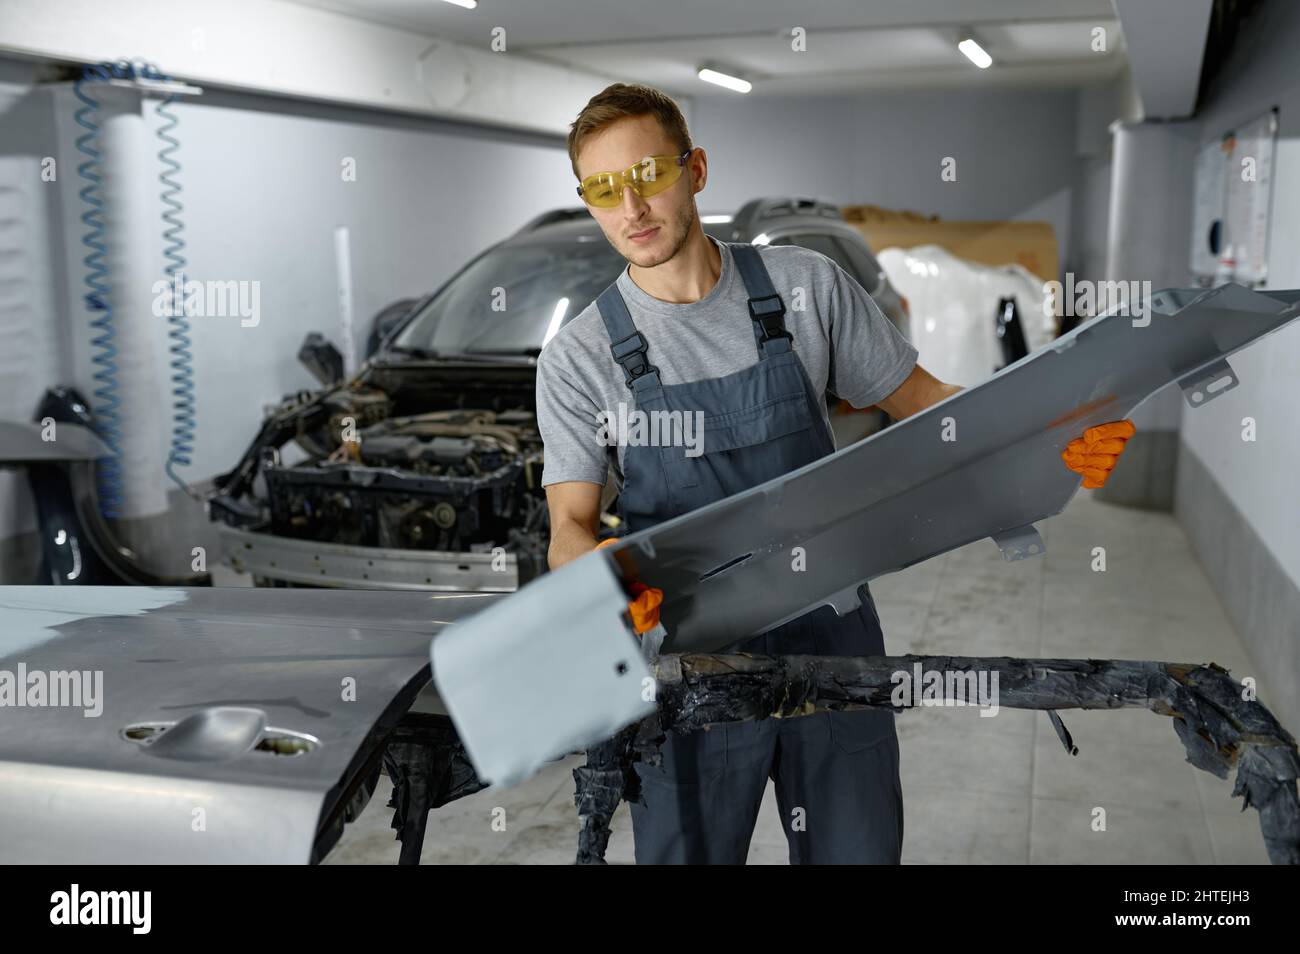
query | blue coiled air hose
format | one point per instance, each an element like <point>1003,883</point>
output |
<point>184,420</point>
<point>106,402</point>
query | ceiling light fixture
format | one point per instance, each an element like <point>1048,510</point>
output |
<point>725,80</point>
<point>971,49</point>
<point>467,4</point>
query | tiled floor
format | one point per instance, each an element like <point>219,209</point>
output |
<point>978,790</point>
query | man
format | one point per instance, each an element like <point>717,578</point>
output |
<point>748,341</point>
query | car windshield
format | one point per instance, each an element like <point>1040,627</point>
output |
<point>512,299</point>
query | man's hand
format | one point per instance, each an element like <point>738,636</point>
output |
<point>1095,453</point>
<point>575,515</point>
<point>644,606</point>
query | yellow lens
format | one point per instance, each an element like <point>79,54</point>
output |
<point>655,174</point>
<point>603,190</point>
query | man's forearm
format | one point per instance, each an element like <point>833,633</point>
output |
<point>919,391</point>
<point>569,540</point>
<point>943,391</point>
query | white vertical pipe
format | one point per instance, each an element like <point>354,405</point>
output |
<point>343,270</point>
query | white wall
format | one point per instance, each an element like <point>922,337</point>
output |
<point>32,353</point>
<point>263,194</point>
<point>1260,477</point>
<point>1015,151</point>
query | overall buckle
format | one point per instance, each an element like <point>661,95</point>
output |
<point>769,312</point>
<point>630,354</point>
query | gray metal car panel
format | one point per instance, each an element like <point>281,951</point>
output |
<point>230,676</point>
<point>731,570</point>
<point>611,682</point>
<point>313,563</point>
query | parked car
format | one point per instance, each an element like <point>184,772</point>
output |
<point>424,470</point>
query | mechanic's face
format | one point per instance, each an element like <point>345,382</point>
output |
<point>646,232</point>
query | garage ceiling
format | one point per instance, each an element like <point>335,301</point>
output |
<point>851,45</point>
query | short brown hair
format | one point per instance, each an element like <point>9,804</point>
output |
<point>620,100</point>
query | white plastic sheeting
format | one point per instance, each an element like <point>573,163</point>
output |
<point>954,304</point>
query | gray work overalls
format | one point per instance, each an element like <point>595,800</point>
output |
<point>836,774</point>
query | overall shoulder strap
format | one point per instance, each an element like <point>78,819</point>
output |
<point>766,308</point>
<point>627,345</point>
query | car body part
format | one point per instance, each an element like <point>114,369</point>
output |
<point>1010,331</point>
<point>429,768</point>
<point>311,563</point>
<point>78,547</point>
<point>319,356</point>
<point>235,725</point>
<point>605,661</point>
<point>953,302</point>
<point>983,462</point>
<point>433,446</point>
<point>1219,728</point>
<point>388,320</point>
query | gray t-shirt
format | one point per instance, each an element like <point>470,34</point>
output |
<point>847,345</point>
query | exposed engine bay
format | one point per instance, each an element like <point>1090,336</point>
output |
<point>403,457</point>
<point>447,480</point>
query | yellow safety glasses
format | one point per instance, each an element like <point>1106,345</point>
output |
<point>650,176</point>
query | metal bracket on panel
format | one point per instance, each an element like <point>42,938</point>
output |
<point>1204,386</point>
<point>846,600</point>
<point>1019,543</point>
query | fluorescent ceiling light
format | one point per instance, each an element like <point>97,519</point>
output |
<point>714,219</point>
<point>467,4</point>
<point>722,79</point>
<point>975,53</point>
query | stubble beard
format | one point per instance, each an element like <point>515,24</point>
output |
<point>677,230</point>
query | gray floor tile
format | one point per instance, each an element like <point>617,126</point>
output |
<point>1113,771</point>
<point>1236,838</point>
<point>943,826</point>
<point>976,756</point>
<point>1062,833</point>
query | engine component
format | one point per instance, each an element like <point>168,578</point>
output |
<point>462,481</point>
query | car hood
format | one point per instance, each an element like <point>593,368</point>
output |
<point>228,675</point>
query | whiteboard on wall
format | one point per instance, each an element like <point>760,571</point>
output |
<point>1231,205</point>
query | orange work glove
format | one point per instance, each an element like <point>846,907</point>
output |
<point>1095,453</point>
<point>645,602</point>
